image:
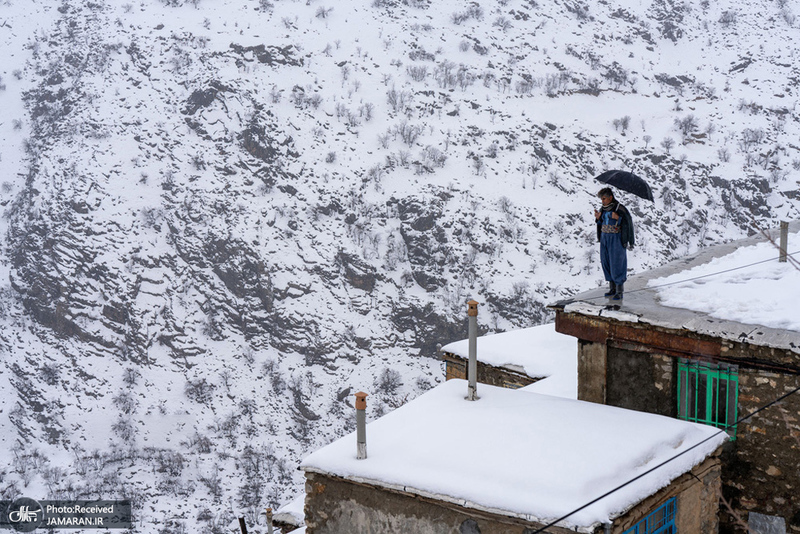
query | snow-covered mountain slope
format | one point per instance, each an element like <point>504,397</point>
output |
<point>221,217</point>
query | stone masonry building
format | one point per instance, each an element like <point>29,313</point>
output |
<point>513,462</point>
<point>701,365</point>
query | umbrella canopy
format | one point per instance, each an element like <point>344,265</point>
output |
<point>627,181</point>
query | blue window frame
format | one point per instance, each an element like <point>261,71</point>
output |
<point>659,521</point>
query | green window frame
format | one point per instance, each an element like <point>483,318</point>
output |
<point>659,521</point>
<point>708,393</point>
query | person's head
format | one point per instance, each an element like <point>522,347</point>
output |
<point>606,196</point>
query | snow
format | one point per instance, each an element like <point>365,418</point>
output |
<point>763,294</point>
<point>525,454</point>
<point>293,511</point>
<point>516,234</point>
<point>540,351</point>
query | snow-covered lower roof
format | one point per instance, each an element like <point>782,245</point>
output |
<point>538,352</point>
<point>520,454</point>
<point>737,291</point>
<point>292,512</point>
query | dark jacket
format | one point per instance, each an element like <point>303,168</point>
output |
<point>626,224</point>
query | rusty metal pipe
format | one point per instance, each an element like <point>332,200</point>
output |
<point>361,425</point>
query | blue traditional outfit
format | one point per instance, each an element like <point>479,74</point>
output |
<point>615,235</point>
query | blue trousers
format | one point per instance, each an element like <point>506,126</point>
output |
<point>613,258</point>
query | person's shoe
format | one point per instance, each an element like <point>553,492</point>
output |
<point>612,289</point>
<point>620,291</point>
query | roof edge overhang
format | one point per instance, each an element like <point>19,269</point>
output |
<point>650,337</point>
<point>599,329</point>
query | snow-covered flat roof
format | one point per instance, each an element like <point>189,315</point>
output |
<point>539,352</point>
<point>292,512</point>
<point>737,291</point>
<point>521,454</point>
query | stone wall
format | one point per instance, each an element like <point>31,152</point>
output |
<point>456,367</point>
<point>641,381</point>
<point>761,467</point>
<point>335,505</point>
<point>697,494</point>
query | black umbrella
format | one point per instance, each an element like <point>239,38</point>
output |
<point>627,181</point>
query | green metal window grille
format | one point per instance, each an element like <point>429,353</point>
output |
<point>708,394</point>
<point>659,521</point>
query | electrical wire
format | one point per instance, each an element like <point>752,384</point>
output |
<point>631,481</point>
<point>695,278</point>
<point>776,401</point>
<point>727,427</point>
<point>713,274</point>
<point>603,496</point>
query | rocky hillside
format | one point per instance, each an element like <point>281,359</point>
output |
<point>223,217</point>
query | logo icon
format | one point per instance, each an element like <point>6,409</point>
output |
<point>25,515</point>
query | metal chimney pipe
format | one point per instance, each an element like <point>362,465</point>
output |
<point>361,425</point>
<point>472,366</point>
<point>784,241</point>
<point>269,521</point>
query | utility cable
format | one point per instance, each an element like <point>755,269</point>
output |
<point>603,496</point>
<point>631,481</point>
<point>776,401</point>
<point>729,426</point>
<point>712,274</point>
<point>694,278</point>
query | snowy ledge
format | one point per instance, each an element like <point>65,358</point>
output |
<point>585,308</point>
<point>292,512</point>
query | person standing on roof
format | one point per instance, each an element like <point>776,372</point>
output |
<point>615,234</point>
